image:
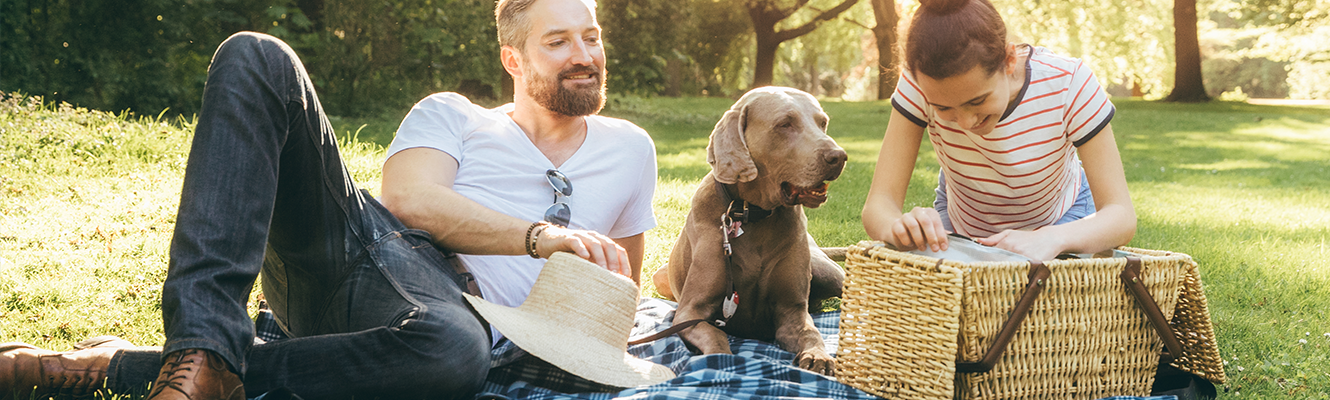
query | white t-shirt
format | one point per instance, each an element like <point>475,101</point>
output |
<point>613,175</point>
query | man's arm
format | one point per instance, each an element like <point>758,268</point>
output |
<point>635,246</point>
<point>417,189</point>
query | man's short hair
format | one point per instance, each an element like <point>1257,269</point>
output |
<point>514,22</point>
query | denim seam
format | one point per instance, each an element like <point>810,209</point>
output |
<point>378,265</point>
<point>327,303</point>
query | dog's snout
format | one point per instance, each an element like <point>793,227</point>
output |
<point>835,157</point>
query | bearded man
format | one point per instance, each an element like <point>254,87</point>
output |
<point>370,291</point>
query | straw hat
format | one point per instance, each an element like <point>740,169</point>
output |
<point>577,317</point>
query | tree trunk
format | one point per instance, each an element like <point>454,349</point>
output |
<point>673,76</point>
<point>1187,83</point>
<point>763,75</point>
<point>884,33</point>
<point>764,28</point>
<point>765,14</point>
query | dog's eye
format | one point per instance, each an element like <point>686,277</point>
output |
<point>786,125</point>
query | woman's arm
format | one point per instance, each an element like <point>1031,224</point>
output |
<point>1113,224</point>
<point>883,215</point>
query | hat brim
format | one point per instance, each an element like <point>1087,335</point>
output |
<point>570,349</point>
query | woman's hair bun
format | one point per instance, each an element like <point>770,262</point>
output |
<point>942,7</point>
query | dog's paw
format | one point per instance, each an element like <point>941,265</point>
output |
<point>816,360</point>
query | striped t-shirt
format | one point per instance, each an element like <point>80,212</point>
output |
<point>1024,174</point>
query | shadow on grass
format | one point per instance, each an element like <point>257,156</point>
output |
<point>1219,145</point>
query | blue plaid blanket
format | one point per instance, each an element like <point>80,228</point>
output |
<point>756,370</point>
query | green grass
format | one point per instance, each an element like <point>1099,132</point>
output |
<point>89,202</point>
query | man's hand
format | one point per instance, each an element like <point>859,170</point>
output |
<point>917,229</point>
<point>1039,245</point>
<point>589,245</point>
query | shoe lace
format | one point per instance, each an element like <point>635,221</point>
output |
<point>174,373</point>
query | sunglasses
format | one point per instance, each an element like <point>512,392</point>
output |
<point>559,213</point>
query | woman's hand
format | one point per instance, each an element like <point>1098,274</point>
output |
<point>1038,245</point>
<point>918,229</point>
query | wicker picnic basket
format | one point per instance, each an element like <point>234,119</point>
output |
<point>923,328</point>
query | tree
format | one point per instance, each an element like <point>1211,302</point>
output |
<point>1271,45</point>
<point>884,12</point>
<point>675,47</point>
<point>1117,39</point>
<point>639,49</point>
<point>765,15</point>
<point>834,61</point>
<point>146,56</point>
<point>368,57</point>
<point>1187,80</point>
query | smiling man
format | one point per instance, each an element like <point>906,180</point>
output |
<point>372,292</point>
<point>504,158</point>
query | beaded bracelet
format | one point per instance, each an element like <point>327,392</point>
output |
<point>532,234</point>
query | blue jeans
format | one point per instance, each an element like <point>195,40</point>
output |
<point>373,308</point>
<point>1083,207</point>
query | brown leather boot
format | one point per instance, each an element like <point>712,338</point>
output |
<point>29,372</point>
<point>196,374</point>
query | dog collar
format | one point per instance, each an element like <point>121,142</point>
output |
<point>740,210</point>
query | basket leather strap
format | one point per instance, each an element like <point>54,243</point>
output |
<point>667,332</point>
<point>1131,277</point>
<point>1038,276</point>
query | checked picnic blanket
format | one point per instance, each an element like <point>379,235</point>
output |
<point>756,370</point>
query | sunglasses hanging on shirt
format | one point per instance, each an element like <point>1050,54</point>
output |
<point>559,213</point>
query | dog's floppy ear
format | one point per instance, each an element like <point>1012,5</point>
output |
<point>727,152</point>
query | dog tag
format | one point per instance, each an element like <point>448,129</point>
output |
<point>736,229</point>
<point>730,305</point>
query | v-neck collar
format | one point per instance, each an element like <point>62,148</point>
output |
<point>506,109</point>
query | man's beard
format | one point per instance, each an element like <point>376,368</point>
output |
<point>582,100</point>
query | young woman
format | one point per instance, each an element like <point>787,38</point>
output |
<point>1007,122</point>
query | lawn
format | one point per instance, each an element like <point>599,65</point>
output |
<point>89,202</point>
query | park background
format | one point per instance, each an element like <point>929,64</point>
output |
<point>99,99</point>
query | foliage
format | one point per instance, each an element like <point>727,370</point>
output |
<point>638,59</point>
<point>673,47</point>
<point>778,21</point>
<point>830,61</point>
<point>1270,48</point>
<point>146,55</point>
<point>707,48</point>
<point>1128,40</point>
<point>1292,35</point>
<point>1284,14</point>
<point>154,54</point>
<point>1230,65</point>
<point>395,52</point>
<point>372,57</point>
